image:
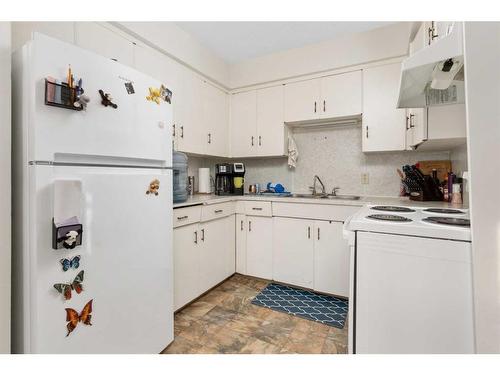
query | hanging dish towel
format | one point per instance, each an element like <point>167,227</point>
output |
<point>293,152</point>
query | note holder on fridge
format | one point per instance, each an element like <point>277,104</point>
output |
<point>67,229</point>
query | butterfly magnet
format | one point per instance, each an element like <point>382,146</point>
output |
<point>76,285</point>
<point>70,263</point>
<point>73,318</point>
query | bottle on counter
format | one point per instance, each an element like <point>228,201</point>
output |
<point>456,196</point>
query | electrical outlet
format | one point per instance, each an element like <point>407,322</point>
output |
<point>365,178</point>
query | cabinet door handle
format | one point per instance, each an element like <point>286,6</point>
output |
<point>318,233</point>
<point>324,105</point>
<point>203,235</point>
<point>195,236</point>
<point>260,140</point>
<point>218,211</point>
<point>182,217</point>
<point>249,226</point>
<point>314,107</point>
<point>241,225</point>
<point>252,140</point>
<point>173,130</point>
<point>308,232</point>
<point>209,138</point>
<point>411,121</point>
<point>407,119</point>
<point>182,131</point>
<point>366,131</point>
<point>257,208</point>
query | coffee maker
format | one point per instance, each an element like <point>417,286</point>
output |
<point>229,179</point>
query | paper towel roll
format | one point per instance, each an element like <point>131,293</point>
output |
<point>204,180</point>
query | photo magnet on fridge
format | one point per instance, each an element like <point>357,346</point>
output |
<point>130,88</point>
<point>166,94</point>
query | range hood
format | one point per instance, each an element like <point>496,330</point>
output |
<point>434,75</point>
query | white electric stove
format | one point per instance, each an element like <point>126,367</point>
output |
<point>411,280</point>
<point>445,223</point>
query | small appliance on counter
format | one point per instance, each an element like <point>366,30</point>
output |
<point>204,185</point>
<point>229,179</point>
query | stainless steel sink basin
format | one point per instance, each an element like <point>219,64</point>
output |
<point>326,196</point>
<point>305,195</point>
<point>345,197</point>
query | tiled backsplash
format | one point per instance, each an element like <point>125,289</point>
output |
<point>335,155</point>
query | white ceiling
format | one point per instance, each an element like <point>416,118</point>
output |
<point>237,41</point>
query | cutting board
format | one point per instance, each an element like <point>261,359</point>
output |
<point>443,167</point>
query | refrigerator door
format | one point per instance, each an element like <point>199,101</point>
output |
<point>137,129</point>
<point>126,256</point>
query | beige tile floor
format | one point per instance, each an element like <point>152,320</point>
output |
<point>225,321</point>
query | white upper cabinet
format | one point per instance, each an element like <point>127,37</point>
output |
<point>416,127</point>
<point>271,129</point>
<point>243,124</point>
<point>302,100</point>
<point>192,136</point>
<point>215,120</point>
<point>333,96</point>
<point>341,95</point>
<point>383,124</point>
<point>257,126</point>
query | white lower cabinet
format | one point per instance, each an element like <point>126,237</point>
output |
<point>186,265</point>
<point>217,238</point>
<point>331,259</point>
<point>241,244</point>
<point>293,251</point>
<point>203,257</point>
<point>312,254</point>
<point>259,247</point>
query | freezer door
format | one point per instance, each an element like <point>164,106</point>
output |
<point>138,128</point>
<point>126,256</point>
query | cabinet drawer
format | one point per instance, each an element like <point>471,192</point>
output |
<point>215,211</point>
<point>314,211</point>
<point>255,208</point>
<point>186,215</point>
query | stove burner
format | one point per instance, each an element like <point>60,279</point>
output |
<point>392,209</point>
<point>448,221</point>
<point>443,211</point>
<point>395,218</point>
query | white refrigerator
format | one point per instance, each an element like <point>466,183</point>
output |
<point>106,173</point>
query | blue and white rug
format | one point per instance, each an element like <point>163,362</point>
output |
<point>305,304</point>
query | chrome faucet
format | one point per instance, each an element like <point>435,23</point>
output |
<point>334,191</point>
<point>313,188</point>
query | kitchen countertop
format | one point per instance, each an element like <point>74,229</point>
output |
<point>206,199</point>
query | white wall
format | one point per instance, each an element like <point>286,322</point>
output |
<point>482,84</point>
<point>354,49</point>
<point>5,131</point>
<point>175,42</point>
